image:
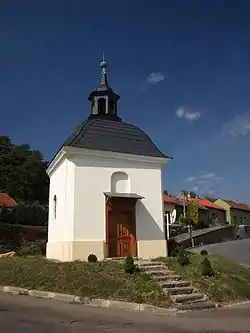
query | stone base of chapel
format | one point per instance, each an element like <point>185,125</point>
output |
<point>151,249</point>
<point>80,250</point>
<point>70,251</point>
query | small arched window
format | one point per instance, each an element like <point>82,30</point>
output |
<point>120,182</point>
<point>101,105</point>
<point>54,206</point>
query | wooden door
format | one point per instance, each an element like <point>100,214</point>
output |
<point>121,234</point>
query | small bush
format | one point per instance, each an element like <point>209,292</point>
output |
<point>182,257</point>
<point>206,268</point>
<point>173,247</point>
<point>203,253</point>
<point>92,258</point>
<point>129,265</point>
<point>32,249</point>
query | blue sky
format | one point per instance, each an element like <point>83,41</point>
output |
<point>182,69</point>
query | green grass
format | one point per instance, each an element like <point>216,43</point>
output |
<point>230,283</point>
<point>94,280</point>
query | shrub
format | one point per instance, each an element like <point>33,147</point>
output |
<point>129,265</point>
<point>32,249</point>
<point>206,268</point>
<point>182,257</point>
<point>175,252</point>
<point>92,258</point>
<point>203,253</point>
<point>173,247</point>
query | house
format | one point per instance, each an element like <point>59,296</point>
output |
<point>106,188</point>
<point>6,201</point>
<point>173,208</point>
<point>216,213</point>
<point>236,213</point>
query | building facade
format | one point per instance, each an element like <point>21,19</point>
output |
<point>106,188</point>
<point>236,213</point>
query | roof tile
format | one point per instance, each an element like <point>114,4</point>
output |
<point>237,205</point>
<point>6,200</point>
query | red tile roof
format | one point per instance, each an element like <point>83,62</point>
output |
<point>6,200</point>
<point>202,203</point>
<point>171,200</point>
<point>168,199</point>
<point>208,204</point>
<point>237,205</point>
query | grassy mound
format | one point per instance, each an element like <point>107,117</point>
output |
<point>230,282</point>
<point>106,280</point>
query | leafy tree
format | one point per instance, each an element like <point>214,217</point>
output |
<point>22,172</point>
<point>193,212</point>
<point>193,194</point>
<point>26,214</point>
<point>192,215</point>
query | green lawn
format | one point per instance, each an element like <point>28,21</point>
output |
<point>95,280</point>
<point>230,283</point>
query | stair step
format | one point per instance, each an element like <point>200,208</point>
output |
<point>158,272</point>
<point>202,305</point>
<point>174,283</point>
<point>179,290</point>
<point>149,263</point>
<point>166,277</point>
<point>185,298</point>
<point>153,268</point>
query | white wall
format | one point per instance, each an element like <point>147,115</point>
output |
<point>93,178</point>
<point>61,185</point>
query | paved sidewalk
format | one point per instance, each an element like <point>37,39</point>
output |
<point>23,314</point>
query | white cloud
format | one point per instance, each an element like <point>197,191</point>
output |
<point>209,175</point>
<point>238,126</point>
<point>204,183</point>
<point>154,78</point>
<point>182,112</point>
<point>190,179</point>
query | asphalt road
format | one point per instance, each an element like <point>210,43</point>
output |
<point>238,250</point>
<point>24,314</point>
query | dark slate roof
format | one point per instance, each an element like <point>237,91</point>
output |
<point>112,135</point>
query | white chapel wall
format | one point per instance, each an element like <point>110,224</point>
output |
<point>60,227</point>
<point>93,178</point>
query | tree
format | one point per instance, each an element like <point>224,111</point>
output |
<point>193,194</point>
<point>23,172</point>
<point>208,197</point>
<point>193,212</point>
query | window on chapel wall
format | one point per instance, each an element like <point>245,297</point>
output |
<point>120,182</point>
<point>54,206</point>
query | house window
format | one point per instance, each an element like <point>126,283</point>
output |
<point>234,219</point>
<point>54,206</point>
<point>241,220</point>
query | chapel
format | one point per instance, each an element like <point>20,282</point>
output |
<point>106,190</point>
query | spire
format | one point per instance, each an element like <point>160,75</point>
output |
<point>104,99</point>
<point>104,76</point>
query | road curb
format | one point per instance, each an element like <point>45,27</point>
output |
<point>73,299</point>
<point>235,305</point>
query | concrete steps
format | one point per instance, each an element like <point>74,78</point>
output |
<point>184,296</point>
<point>174,283</point>
<point>195,306</point>
<point>167,277</point>
<point>187,298</point>
<point>178,290</point>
